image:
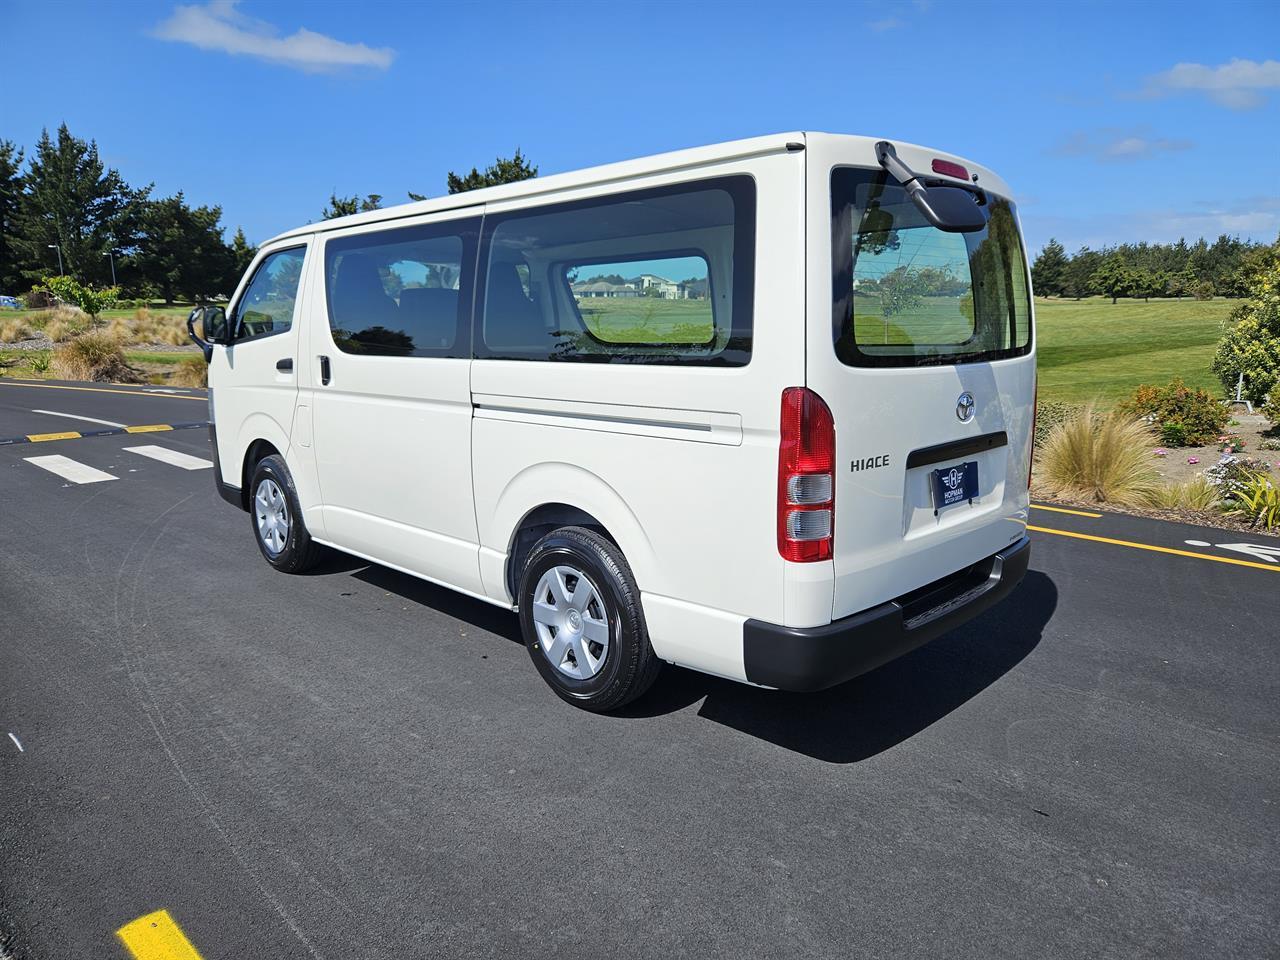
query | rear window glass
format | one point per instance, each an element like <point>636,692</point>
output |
<point>906,293</point>
<point>654,276</point>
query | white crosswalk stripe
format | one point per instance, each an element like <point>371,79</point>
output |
<point>174,457</point>
<point>70,469</point>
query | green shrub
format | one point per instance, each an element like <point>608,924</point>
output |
<point>1191,416</point>
<point>1098,457</point>
<point>1257,500</point>
<point>1173,433</point>
<point>1251,344</point>
<point>1050,414</point>
<point>1271,406</point>
<point>39,362</point>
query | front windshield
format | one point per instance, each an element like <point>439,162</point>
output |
<point>908,294</point>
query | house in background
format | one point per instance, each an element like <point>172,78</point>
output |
<point>603,288</point>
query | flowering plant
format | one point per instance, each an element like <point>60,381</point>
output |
<point>1193,459</point>
<point>1161,452</point>
<point>1231,443</point>
<point>1232,473</point>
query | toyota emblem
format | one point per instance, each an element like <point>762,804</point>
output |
<point>965,407</point>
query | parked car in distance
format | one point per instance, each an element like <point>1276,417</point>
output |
<point>762,409</point>
<point>10,303</point>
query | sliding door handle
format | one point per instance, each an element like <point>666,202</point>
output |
<point>324,371</point>
<point>285,365</point>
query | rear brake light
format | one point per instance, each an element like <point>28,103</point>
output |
<point>806,477</point>
<point>949,169</point>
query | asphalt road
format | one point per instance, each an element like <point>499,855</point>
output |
<point>357,764</point>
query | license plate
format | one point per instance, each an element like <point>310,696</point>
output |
<point>957,484</point>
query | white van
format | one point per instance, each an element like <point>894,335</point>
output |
<point>762,409</point>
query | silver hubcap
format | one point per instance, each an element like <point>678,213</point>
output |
<point>272,512</point>
<point>571,621</point>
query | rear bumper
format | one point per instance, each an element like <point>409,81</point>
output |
<point>814,658</point>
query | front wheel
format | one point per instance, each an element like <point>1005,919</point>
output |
<point>582,622</point>
<point>277,520</point>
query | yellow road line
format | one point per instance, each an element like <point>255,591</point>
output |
<point>157,937</point>
<point>1274,568</point>
<point>42,437</point>
<point>9,382</point>
<point>1074,513</point>
<point>149,428</point>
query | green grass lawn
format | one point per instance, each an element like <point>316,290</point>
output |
<point>647,319</point>
<point>1094,349</point>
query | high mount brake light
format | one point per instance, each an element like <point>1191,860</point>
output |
<point>806,477</point>
<point>949,169</point>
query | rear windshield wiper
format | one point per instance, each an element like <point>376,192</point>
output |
<point>953,209</point>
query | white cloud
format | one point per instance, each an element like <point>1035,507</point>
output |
<point>218,25</point>
<point>1239,85</point>
<point>888,23</point>
<point>1113,144</point>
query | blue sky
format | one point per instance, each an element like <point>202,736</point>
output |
<point>1112,121</point>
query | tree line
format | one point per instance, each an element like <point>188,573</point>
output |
<point>1203,270</point>
<point>63,211</point>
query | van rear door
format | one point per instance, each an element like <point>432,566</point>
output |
<point>920,341</point>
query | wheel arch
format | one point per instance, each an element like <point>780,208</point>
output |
<point>534,503</point>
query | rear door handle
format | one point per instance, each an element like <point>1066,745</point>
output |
<point>285,365</point>
<point>324,371</point>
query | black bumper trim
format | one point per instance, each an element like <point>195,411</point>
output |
<point>814,658</point>
<point>233,495</point>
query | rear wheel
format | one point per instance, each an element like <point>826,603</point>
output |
<point>281,535</point>
<point>582,622</point>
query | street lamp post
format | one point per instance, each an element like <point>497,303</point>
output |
<point>54,246</point>
<point>111,255</point>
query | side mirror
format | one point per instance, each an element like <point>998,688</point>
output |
<point>213,328</point>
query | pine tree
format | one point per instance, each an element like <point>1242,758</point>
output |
<point>183,254</point>
<point>1114,278</point>
<point>346,206</point>
<point>242,254</point>
<point>502,171</point>
<point>10,194</point>
<point>1049,272</point>
<point>70,198</point>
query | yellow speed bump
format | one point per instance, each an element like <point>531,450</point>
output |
<point>42,437</point>
<point>149,428</point>
<point>157,937</point>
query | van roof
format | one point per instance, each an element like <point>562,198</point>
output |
<point>629,169</point>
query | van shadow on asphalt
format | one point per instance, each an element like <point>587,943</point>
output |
<point>852,722</point>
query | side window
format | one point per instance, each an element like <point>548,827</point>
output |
<point>403,292</point>
<point>267,305</point>
<point>652,276</point>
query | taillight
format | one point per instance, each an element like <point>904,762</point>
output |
<point>806,477</point>
<point>1035,410</point>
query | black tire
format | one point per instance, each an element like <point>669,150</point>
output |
<point>629,665</point>
<point>298,551</point>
